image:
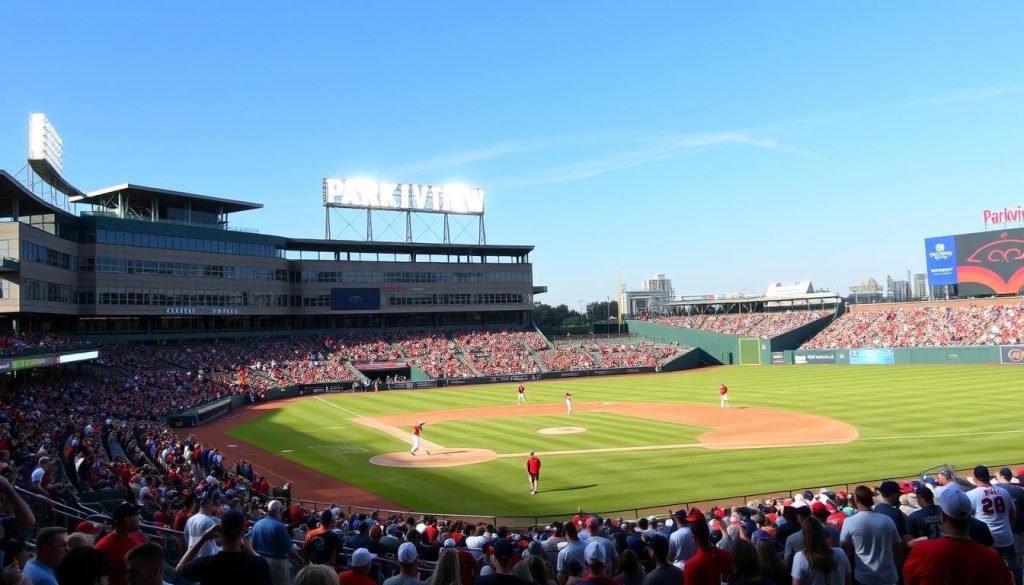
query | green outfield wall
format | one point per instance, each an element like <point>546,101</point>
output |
<point>717,348</point>
<point>970,354</point>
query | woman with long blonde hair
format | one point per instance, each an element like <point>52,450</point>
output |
<point>446,571</point>
<point>316,575</point>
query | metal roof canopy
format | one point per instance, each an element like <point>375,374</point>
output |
<point>16,198</point>
<point>144,196</point>
<point>48,173</point>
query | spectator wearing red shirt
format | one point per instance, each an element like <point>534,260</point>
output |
<point>954,559</point>
<point>124,538</point>
<point>359,564</point>
<point>711,565</point>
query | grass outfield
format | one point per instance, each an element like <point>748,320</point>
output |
<point>909,418</point>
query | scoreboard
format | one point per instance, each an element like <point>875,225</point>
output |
<point>980,264</point>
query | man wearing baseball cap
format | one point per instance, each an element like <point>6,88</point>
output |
<point>124,538</point>
<point>408,559</point>
<point>945,481</point>
<point>925,523</point>
<point>994,506</point>
<point>664,573</point>
<point>954,558</point>
<point>611,556</point>
<point>235,563</point>
<point>681,547</point>
<point>597,570</point>
<point>711,565</point>
<point>359,569</point>
<point>890,506</point>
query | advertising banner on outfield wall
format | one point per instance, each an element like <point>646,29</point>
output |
<point>872,357</point>
<point>1012,354</point>
<point>515,378</point>
<point>778,357</point>
<point>825,357</point>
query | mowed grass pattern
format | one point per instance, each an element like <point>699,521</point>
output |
<point>909,417</point>
<point>520,434</point>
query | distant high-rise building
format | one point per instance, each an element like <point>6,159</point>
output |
<point>900,291</point>
<point>658,283</point>
<point>868,291</point>
<point>653,297</point>
<point>920,286</point>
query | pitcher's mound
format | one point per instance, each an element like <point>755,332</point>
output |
<point>562,430</point>
<point>441,458</point>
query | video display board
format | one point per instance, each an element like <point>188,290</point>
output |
<point>355,299</point>
<point>986,263</point>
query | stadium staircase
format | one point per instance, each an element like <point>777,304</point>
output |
<point>359,376</point>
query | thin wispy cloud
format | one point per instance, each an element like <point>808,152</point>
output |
<point>653,147</point>
<point>667,150</point>
<point>973,94</point>
<point>508,148</point>
<point>660,146</point>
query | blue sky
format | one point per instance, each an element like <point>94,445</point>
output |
<point>727,144</point>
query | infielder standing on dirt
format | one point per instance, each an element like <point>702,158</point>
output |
<point>724,393</point>
<point>416,430</point>
<point>521,397</point>
<point>568,403</point>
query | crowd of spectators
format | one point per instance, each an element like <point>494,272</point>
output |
<point>923,326</point>
<point>63,433</point>
<point>21,342</point>
<point>361,347</point>
<point>434,353</point>
<point>934,530</point>
<point>764,325</point>
<point>633,355</point>
<point>499,352</point>
<point>568,359</point>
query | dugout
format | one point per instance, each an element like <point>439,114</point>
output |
<point>382,370</point>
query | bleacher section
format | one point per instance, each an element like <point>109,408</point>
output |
<point>763,325</point>
<point>956,324</point>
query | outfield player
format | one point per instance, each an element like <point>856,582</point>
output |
<point>533,469</point>
<point>723,391</point>
<point>568,403</point>
<point>416,430</point>
<point>521,397</point>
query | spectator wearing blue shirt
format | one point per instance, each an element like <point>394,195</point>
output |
<point>270,540</point>
<point>51,546</point>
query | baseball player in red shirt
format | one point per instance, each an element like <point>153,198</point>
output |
<point>416,430</point>
<point>533,469</point>
<point>568,403</point>
<point>521,397</point>
<point>723,391</point>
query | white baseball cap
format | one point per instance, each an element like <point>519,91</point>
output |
<point>407,553</point>
<point>362,557</point>
<point>594,553</point>
<point>955,504</point>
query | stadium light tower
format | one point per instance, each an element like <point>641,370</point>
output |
<point>580,301</point>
